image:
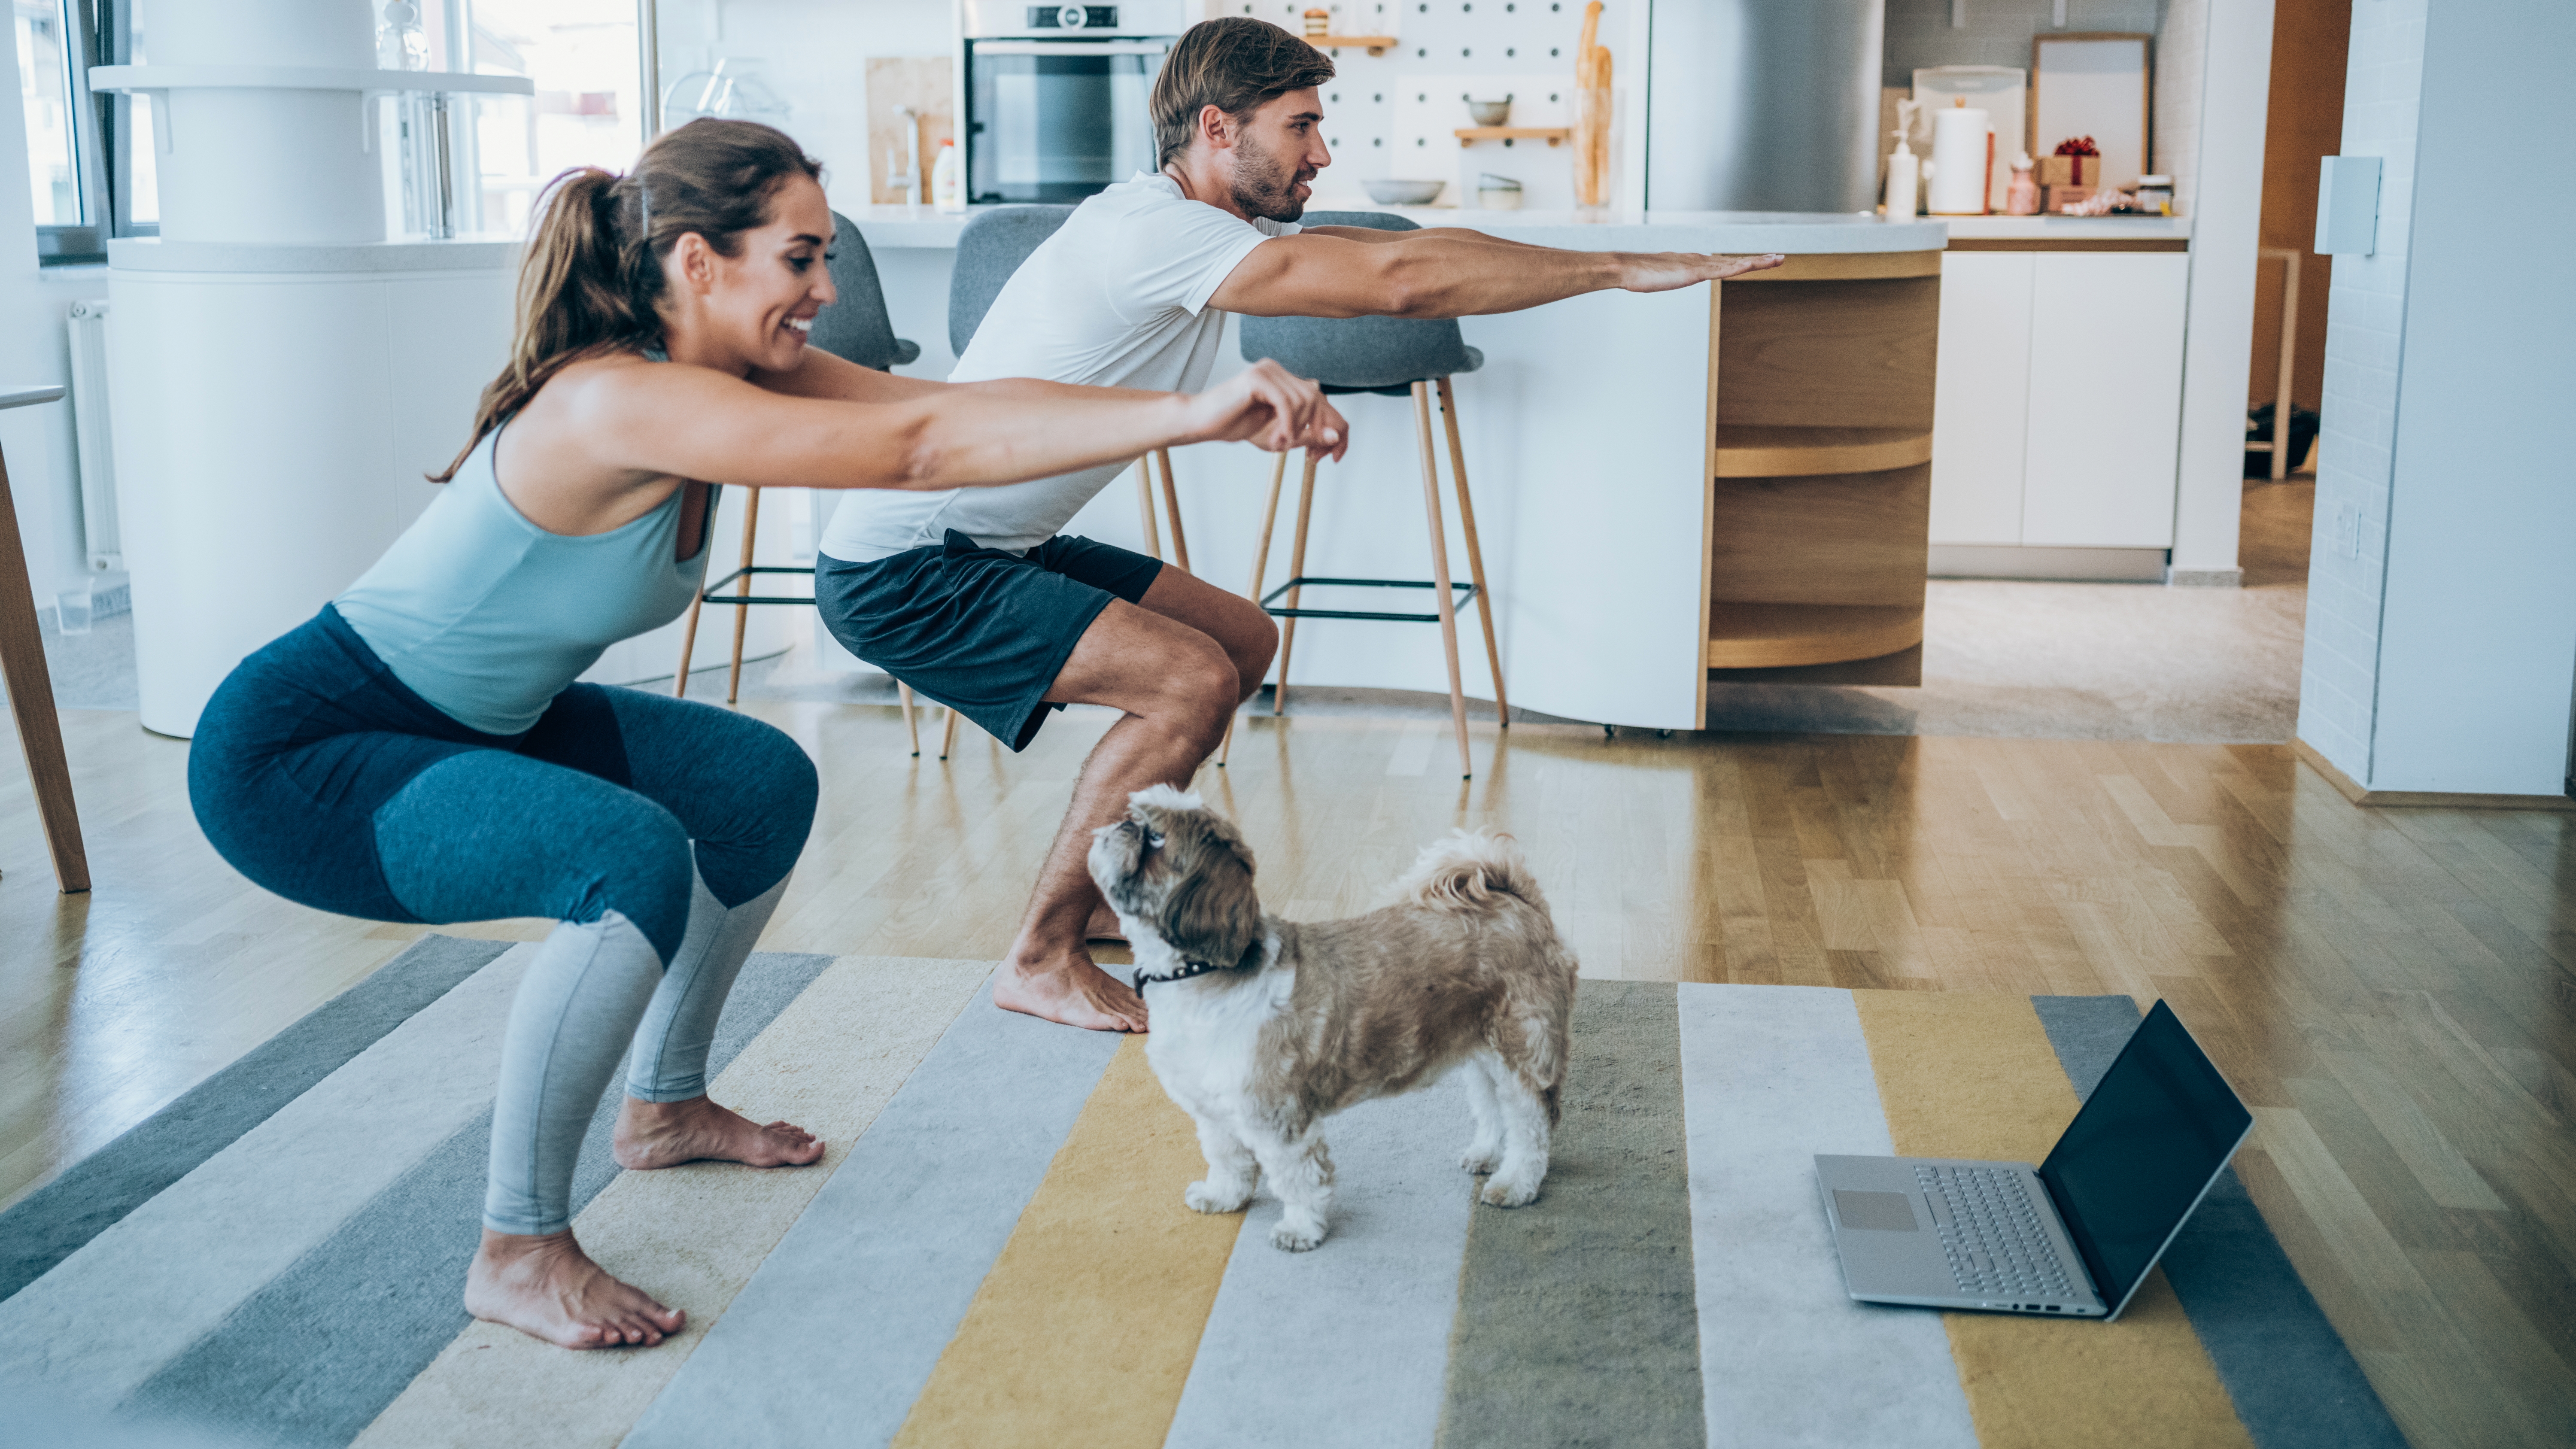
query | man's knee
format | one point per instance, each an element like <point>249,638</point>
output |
<point>1203,685</point>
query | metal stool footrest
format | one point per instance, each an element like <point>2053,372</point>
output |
<point>1463,594</point>
<point>709,595</point>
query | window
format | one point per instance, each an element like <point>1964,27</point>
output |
<point>89,157</point>
<point>502,150</point>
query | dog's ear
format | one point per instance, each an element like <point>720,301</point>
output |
<point>1211,911</point>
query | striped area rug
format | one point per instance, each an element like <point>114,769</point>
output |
<point>994,1252</point>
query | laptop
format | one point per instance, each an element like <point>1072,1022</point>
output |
<point>2074,1237</point>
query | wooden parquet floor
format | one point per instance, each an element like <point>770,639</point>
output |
<point>2393,991</point>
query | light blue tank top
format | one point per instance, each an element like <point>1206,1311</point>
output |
<point>488,616</point>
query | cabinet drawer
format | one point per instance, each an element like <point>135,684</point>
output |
<point>2105,393</point>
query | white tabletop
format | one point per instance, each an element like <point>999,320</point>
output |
<point>19,397</point>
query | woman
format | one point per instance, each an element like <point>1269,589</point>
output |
<point>419,751</point>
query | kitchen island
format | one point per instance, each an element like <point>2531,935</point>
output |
<point>1732,479</point>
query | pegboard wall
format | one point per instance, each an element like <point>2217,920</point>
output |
<point>1396,114</point>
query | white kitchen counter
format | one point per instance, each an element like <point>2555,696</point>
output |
<point>899,227</point>
<point>2068,228</point>
<point>1586,441</point>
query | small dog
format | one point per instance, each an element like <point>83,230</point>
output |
<point>1263,1027</point>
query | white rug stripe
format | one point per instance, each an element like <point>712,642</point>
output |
<point>694,1235</point>
<point>835,1335</point>
<point>1346,1345</point>
<point>138,1294</point>
<point>1771,1076</point>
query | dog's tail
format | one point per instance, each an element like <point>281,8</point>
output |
<point>1468,871</point>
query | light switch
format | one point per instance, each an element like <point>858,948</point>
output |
<point>2347,205</point>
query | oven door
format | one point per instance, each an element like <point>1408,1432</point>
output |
<point>1057,120</point>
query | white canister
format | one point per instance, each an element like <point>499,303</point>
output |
<point>1956,175</point>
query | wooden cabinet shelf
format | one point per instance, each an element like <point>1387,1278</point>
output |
<point>1742,450</point>
<point>1373,44</point>
<point>1776,636</point>
<point>1552,135</point>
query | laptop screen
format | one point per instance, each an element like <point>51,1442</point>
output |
<point>2141,1152</point>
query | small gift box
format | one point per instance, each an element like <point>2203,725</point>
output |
<point>2078,162</point>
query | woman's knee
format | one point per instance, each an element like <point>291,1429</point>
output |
<point>775,792</point>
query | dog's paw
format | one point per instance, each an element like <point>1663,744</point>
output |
<point>1296,1234</point>
<point>1480,1159</point>
<point>1208,1198</point>
<point>1505,1193</point>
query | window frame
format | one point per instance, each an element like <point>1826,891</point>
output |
<point>97,32</point>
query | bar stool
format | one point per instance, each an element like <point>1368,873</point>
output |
<point>989,250</point>
<point>854,328</point>
<point>1392,357</point>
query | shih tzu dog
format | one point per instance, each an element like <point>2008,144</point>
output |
<point>1262,1028</point>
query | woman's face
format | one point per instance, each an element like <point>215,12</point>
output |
<point>753,309</point>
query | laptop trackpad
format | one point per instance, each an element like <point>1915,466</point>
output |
<point>1886,1212</point>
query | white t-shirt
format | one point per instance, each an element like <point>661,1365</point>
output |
<point>1116,298</point>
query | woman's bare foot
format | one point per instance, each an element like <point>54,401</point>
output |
<point>1072,990</point>
<point>666,1134</point>
<point>547,1287</point>
<point>1104,926</point>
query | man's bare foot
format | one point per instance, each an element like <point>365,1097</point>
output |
<point>1104,926</point>
<point>547,1287</point>
<point>1071,990</point>
<point>666,1134</point>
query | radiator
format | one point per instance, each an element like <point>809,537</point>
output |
<point>93,442</point>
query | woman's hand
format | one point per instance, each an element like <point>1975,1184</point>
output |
<point>1271,408</point>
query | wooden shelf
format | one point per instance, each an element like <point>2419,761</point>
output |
<point>1552,135</point>
<point>1373,44</point>
<point>1778,636</point>
<point>1748,451</point>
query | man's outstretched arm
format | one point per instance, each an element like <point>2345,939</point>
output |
<point>1450,272</point>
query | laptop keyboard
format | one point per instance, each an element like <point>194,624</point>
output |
<point>1992,1237</point>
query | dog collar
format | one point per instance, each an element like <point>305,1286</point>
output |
<point>1189,968</point>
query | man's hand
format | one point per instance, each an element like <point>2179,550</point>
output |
<point>1271,408</point>
<point>1668,271</point>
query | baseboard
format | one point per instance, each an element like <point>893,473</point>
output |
<point>2204,578</point>
<point>2063,565</point>
<point>2419,799</point>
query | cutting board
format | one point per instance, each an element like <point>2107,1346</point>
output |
<point>925,83</point>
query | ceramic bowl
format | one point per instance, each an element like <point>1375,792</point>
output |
<point>1402,193</point>
<point>1491,113</point>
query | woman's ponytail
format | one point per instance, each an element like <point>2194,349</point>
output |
<point>592,274</point>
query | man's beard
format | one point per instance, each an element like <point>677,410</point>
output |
<point>1262,186</point>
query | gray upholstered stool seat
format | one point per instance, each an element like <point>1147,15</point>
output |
<point>1393,357</point>
<point>855,327</point>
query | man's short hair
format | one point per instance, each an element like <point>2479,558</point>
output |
<point>1234,64</point>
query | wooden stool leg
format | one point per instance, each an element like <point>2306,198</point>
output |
<point>948,736</point>
<point>1260,562</point>
<point>911,723</point>
<point>1475,554</point>
<point>1145,505</point>
<point>1172,510</point>
<point>1440,573</point>
<point>1296,570</point>
<point>742,587</point>
<point>688,646</point>
<point>31,700</point>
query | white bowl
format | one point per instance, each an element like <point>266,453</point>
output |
<point>1402,193</point>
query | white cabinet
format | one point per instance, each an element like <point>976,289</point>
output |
<point>2059,407</point>
<point>1981,397</point>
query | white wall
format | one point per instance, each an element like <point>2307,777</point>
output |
<point>2226,230</point>
<point>2477,640</point>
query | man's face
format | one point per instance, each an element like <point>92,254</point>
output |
<point>1278,153</point>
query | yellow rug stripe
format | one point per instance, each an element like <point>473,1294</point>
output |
<point>693,1235</point>
<point>1084,1331</point>
<point>1972,1075</point>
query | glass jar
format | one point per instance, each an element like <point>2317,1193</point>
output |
<point>2155,195</point>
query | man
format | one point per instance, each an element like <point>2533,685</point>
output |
<point>972,598</point>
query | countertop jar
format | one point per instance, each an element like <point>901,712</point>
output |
<point>2155,195</point>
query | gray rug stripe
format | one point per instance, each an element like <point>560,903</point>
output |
<point>315,1356</point>
<point>853,1308</point>
<point>95,1193</point>
<point>2294,1382</point>
<point>1578,1319</point>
